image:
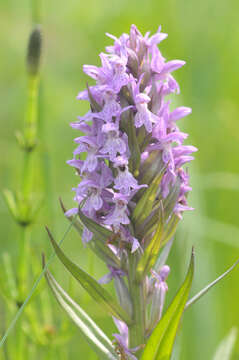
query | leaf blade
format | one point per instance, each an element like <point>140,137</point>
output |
<point>150,255</point>
<point>92,333</point>
<point>97,244</point>
<point>98,230</point>
<point>145,204</point>
<point>96,291</point>
<point>160,343</point>
<point>202,292</point>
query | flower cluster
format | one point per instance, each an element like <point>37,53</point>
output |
<point>133,80</point>
<point>130,139</point>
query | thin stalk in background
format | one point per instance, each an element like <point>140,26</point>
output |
<point>23,204</point>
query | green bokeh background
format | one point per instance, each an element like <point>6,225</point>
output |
<point>206,35</point>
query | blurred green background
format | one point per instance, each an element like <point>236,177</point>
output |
<point>206,35</point>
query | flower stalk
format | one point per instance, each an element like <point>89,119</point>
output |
<point>137,294</point>
<point>133,187</point>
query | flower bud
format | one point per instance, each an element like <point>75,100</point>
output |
<point>34,51</point>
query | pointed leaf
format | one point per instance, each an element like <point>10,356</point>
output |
<point>160,343</point>
<point>195,298</point>
<point>98,230</point>
<point>170,229</point>
<point>135,157</point>
<point>127,124</point>
<point>10,279</point>
<point>146,202</point>
<point>103,252</point>
<point>163,256</point>
<point>150,255</point>
<point>97,244</point>
<point>99,241</point>
<point>150,167</point>
<point>170,201</point>
<point>11,202</point>
<point>98,293</point>
<point>96,338</point>
<point>225,348</point>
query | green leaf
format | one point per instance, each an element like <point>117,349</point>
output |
<point>150,255</point>
<point>97,244</point>
<point>195,298</point>
<point>135,157</point>
<point>97,292</point>
<point>160,343</point>
<point>99,241</point>
<point>10,200</point>
<point>172,198</point>
<point>98,230</point>
<point>95,337</point>
<point>10,278</point>
<point>150,167</point>
<point>127,125</point>
<point>146,202</point>
<point>103,252</point>
<point>163,256</point>
<point>170,229</point>
<point>225,348</point>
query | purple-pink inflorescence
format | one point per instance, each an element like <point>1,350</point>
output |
<point>131,137</point>
<point>134,64</point>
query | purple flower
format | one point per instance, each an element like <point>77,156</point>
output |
<point>123,339</point>
<point>116,143</point>
<point>114,273</point>
<point>131,140</point>
<point>88,144</point>
<point>133,75</point>
<point>143,116</point>
<point>124,180</point>
<point>111,107</point>
<point>160,292</point>
<point>119,214</point>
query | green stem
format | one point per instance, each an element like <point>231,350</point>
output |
<point>30,125</point>
<point>36,11</point>
<point>137,294</point>
<point>21,348</point>
<point>22,263</point>
<point>26,175</point>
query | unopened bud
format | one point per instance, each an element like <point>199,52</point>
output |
<point>34,51</point>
